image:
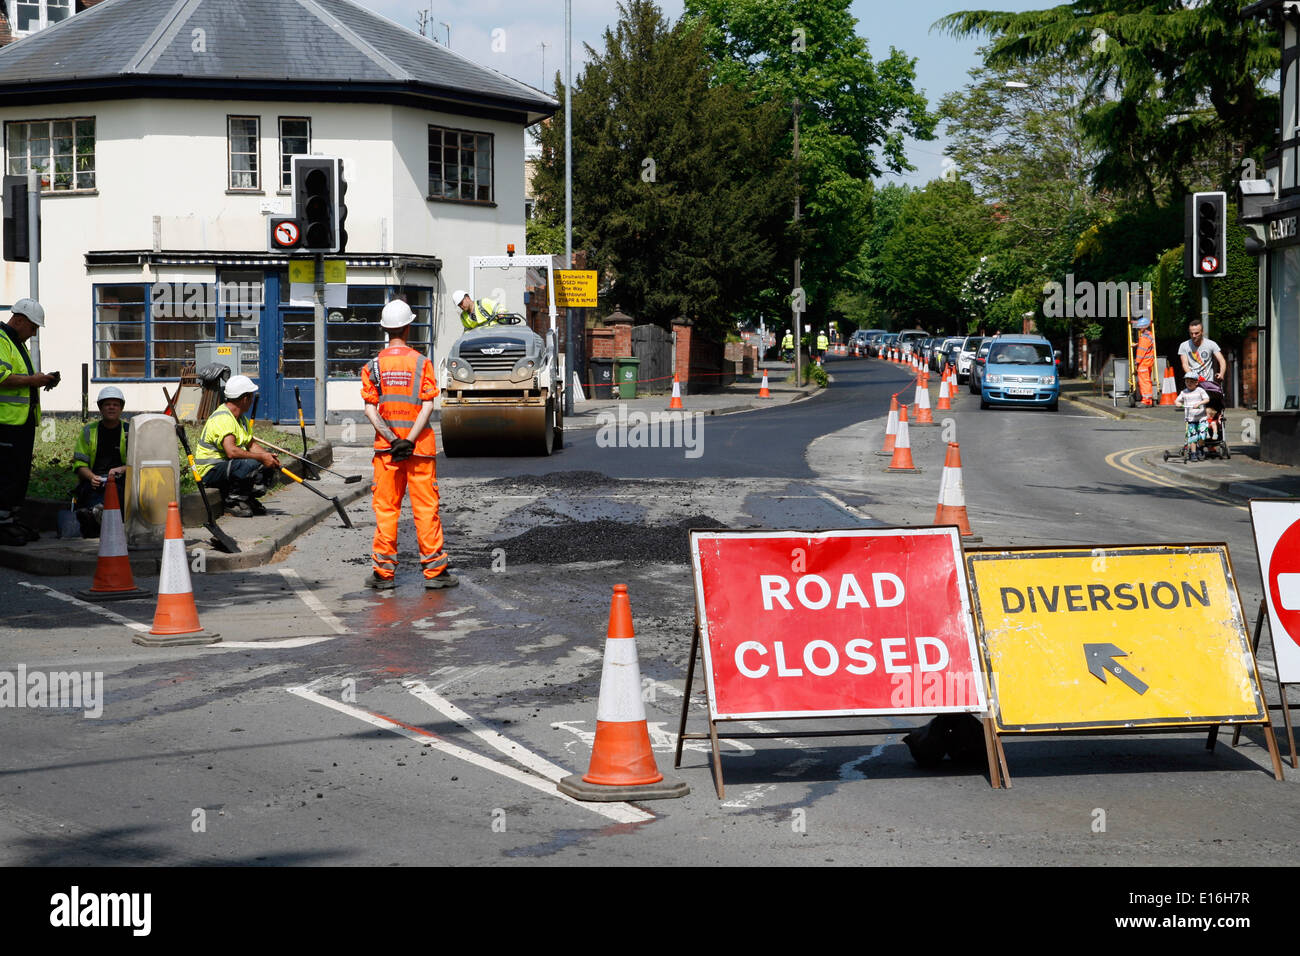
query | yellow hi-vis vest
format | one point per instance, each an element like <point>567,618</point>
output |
<point>16,402</point>
<point>220,424</point>
<point>484,311</point>
<point>88,445</point>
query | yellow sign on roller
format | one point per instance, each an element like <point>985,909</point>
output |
<point>575,289</point>
<point>1083,639</point>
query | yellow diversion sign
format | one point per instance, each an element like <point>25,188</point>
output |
<point>1080,639</point>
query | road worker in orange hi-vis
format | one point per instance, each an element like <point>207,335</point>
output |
<point>398,387</point>
<point>1144,360</point>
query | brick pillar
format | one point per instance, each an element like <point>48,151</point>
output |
<point>682,356</point>
<point>1250,370</point>
<point>6,32</point>
<point>622,326</point>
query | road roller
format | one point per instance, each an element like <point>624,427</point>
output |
<point>503,384</point>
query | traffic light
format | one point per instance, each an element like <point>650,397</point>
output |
<point>319,190</point>
<point>16,224</point>
<point>1205,245</point>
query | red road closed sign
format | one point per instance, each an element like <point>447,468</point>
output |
<point>1277,542</point>
<point>837,623</point>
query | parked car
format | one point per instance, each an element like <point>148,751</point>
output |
<point>1020,370</point>
<point>873,342</point>
<point>966,356</point>
<point>941,354</point>
<point>911,340</point>
<point>890,341</point>
<point>977,365</point>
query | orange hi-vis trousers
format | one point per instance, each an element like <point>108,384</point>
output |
<point>392,481</point>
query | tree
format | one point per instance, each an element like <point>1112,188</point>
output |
<point>854,115</point>
<point>677,194</point>
<point>936,245</point>
<point>1174,86</point>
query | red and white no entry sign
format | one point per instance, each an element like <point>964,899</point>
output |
<point>1209,264</point>
<point>1277,541</point>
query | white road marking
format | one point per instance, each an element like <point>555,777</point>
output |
<point>751,796</point>
<point>101,611</point>
<point>589,651</point>
<point>844,506</point>
<point>463,675</point>
<point>312,601</point>
<point>274,645</point>
<point>618,812</point>
<point>484,592</point>
<point>662,740</point>
<point>850,771</point>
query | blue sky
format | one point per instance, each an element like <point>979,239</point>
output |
<point>520,29</point>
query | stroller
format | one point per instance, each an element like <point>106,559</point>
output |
<point>1215,445</point>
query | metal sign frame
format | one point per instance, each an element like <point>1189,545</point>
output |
<point>700,639</point>
<point>1210,722</point>
<point>1263,616</point>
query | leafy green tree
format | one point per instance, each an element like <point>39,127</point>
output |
<point>854,116</point>
<point>680,189</point>
<point>935,247</point>
<point>1174,86</point>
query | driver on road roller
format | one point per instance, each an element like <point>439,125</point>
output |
<point>474,314</point>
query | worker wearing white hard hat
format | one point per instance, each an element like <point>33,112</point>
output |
<point>230,459</point>
<point>100,457</point>
<point>474,314</point>
<point>398,387</point>
<point>20,413</point>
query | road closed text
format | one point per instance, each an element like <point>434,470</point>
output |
<point>896,655</point>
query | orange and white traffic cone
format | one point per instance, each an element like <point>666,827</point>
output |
<point>176,620</point>
<point>952,495</point>
<point>762,389</point>
<point>676,402</point>
<point>622,760</point>
<point>1168,387</point>
<point>902,459</point>
<point>945,395</point>
<point>891,428</point>
<point>113,579</point>
<point>922,409</point>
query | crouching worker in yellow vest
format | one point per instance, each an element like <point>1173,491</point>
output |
<point>100,457</point>
<point>229,459</point>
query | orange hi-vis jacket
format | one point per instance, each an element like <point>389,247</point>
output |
<point>399,380</point>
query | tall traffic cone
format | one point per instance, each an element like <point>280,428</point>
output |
<point>891,428</point>
<point>762,389</point>
<point>902,459</point>
<point>676,403</point>
<point>1168,387</point>
<point>622,760</point>
<point>945,395</point>
<point>952,495</point>
<point>923,415</point>
<point>113,580</point>
<point>176,621</point>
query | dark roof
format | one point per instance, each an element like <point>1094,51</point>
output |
<point>333,48</point>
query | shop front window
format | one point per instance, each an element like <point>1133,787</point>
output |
<point>1284,330</point>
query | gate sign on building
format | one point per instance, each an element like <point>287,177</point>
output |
<point>1277,542</point>
<point>1120,637</point>
<point>837,623</point>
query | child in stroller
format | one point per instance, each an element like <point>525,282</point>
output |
<point>1202,402</point>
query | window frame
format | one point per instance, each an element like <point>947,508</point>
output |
<point>45,21</point>
<point>230,154</point>
<point>421,340</point>
<point>49,173</point>
<point>442,163</point>
<point>286,175</point>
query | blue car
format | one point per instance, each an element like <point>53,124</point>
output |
<point>1020,370</point>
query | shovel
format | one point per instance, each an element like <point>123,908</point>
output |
<point>311,472</point>
<point>224,541</point>
<point>347,479</point>
<point>347,522</point>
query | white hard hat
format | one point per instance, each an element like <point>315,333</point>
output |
<point>396,315</point>
<point>239,386</point>
<point>32,309</point>
<point>458,296</point>
<point>108,392</point>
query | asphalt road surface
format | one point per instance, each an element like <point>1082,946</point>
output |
<point>336,725</point>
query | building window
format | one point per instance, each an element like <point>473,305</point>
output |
<point>295,140</point>
<point>62,151</point>
<point>460,165</point>
<point>121,323</point>
<point>1284,330</point>
<point>242,141</point>
<point>353,335</point>
<point>28,16</point>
